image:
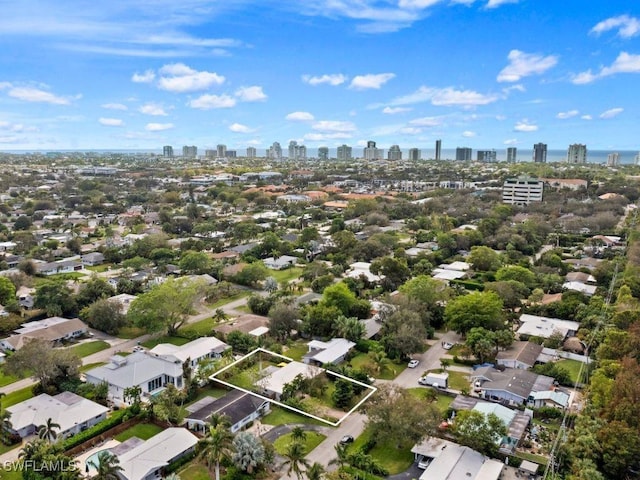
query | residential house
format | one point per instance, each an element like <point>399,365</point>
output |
<point>25,296</point>
<point>61,266</point>
<point>54,329</point>
<point>275,378</point>
<point>588,290</point>
<point>239,407</point>
<point>92,259</point>
<point>362,269</point>
<point>523,355</point>
<point>280,263</point>
<point>124,300</point>
<point>511,386</point>
<point>197,350</point>
<point>71,412</point>
<point>544,327</point>
<point>335,351</point>
<point>550,398</point>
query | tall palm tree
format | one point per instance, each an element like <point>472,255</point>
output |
<point>107,467</point>
<point>217,447</point>
<point>295,459</point>
<point>48,430</point>
<point>298,434</point>
<point>315,472</point>
<point>219,419</point>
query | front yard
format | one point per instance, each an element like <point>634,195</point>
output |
<point>395,460</point>
<point>362,362</point>
<point>311,441</point>
<point>89,348</point>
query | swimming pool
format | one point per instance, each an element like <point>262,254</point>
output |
<point>93,458</point>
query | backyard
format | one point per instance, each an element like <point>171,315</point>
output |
<point>143,431</point>
<point>573,367</point>
<point>282,416</point>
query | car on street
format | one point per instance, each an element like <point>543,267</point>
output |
<point>138,348</point>
<point>447,345</point>
<point>413,363</point>
<point>346,439</point>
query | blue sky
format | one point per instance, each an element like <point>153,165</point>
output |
<point>80,74</point>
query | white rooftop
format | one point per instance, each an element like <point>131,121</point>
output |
<point>443,274</point>
<point>194,350</point>
<point>135,369</point>
<point>330,351</point>
<point>283,375</point>
<point>580,287</point>
<point>544,327</point>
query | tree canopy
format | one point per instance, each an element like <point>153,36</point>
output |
<point>477,309</point>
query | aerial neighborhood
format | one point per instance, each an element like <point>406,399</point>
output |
<point>234,318</point>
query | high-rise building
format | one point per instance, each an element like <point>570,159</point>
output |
<point>636,159</point>
<point>167,151</point>
<point>323,153</point>
<point>613,159</point>
<point>577,153</point>
<point>221,151</point>
<point>463,154</point>
<point>371,152</point>
<point>297,152</point>
<point>512,154</point>
<point>394,153</point>
<point>414,154</point>
<point>438,150</point>
<point>487,156</point>
<point>344,152</point>
<point>522,191</point>
<point>275,151</point>
<point>189,151</point>
<point>540,153</point>
<point>251,152</point>
<point>209,154</point>
<point>231,154</point>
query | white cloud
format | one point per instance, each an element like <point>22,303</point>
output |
<point>333,79</point>
<point>394,110</point>
<point>569,114</point>
<point>426,122</point>
<point>145,77</point>
<point>300,117</point>
<point>626,26</point>
<point>208,102</point>
<point>370,81</point>
<point>36,95</point>
<point>468,134</point>
<point>586,117</point>
<point>251,94</point>
<point>511,141</point>
<point>612,112</point>
<point>153,109</point>
<point>114,106</point>
<point>497,3</point>
<point>111,122</point>
<point>525,126</point>
<point>180,78</point>
<point>410,130</point>
<point>334,126</point>
<point>624,63</point>
<point>15,127</point>
<point>320,137</point>
<point>417,4</point>
<point>523,64</point>
<point>158,127</point>
<point>447,96</point>
<point>239,128</point>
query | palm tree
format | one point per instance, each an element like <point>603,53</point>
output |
<point>220,315</point>
<point>298,434</point>
<point>217,446</point>
<point>341,455</point>
<point>315,472</point>
<point>295,459</point>
<point>219,419</point>
<point>107,467</point>
<point>48,430</point>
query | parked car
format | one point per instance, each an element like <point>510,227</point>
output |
<point>413,363</point>
<point>424,462</point>
<point>447,345</point>
<point>346,439</point>
<point>138,348</point>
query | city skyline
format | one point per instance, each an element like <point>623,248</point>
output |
<point>139,75</point>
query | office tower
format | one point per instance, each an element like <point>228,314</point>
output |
<point>167,151</point>
<point>636,159</point>
<point>344,152</point>
<point>394,153</point>
<point>297,152</point>
<point>323,153</point>
<point>221,151</point>
<point>463,154</point>
<point>540,153</point>
<point>189,151</point>
<point>371,152</point>
<point>438,150</point>
<point>251,152</point>
<point>231,154</point>
<point>414,154</point>
<point>487,156</point>
<point>275,151</point>
<point>209,154</point>
<point>577,153</point>
<point>512,154</point>
<point>522,191</point>
<point>613,159</point>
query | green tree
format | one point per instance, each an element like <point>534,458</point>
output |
<point>315,472</point>
<point>295,461</point>
<point>104,315</point>
<point>479,432</point>
<point>283,319</point>
<point>249,452</point>
<point>165,306</point>
<point>340,297</point>
<point>195,263</point>
<point>298,434</point>
<point>251,274</point>
<point>55,298</point>
<point>7,291</point>
<point>107,467</point>
<point>477,309</point>
<point>394,271</point>
<point>167,406</point>
<point>484,259</point>
<point>343,393</point>
<point>403,334</point>
<point>517,273</point>
<point>218,446</point>
<point>481,342</point>
<point>47,431</point>
<point>349,327</point>
<point>92,291</point>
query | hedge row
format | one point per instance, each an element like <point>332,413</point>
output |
<point>116,418</point>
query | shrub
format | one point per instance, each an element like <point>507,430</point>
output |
<point>115,419</point>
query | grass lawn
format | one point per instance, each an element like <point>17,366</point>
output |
<point>6,448</point>
<point>16,397</point>
<point>201,328</point>
<point>312,440</point>
<point>194,471</point>
<point>89,348</point>
<point>209,391</point>
<point>539,459</point>
<point>224,301</point>
<point>457,380</point>
<point>165,339</point>
<point>99,268</point>
<point>89,366</point>
<point>388,455</point>
<point>281,416</point>
<point>6,379</point>
<point>285,275</point>
<point>11,475</point>
<point>130,332</point>
<point>143,431</point>
<point>392,371</point>
<point>442,401</point>
<point>573,367</point>
<point>296,351</point>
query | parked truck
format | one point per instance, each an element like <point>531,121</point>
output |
<point>436,380</point>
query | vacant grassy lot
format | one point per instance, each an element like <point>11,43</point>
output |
<point>165,339</point>
<point>281,416</point>
<point>442,401</point>
<point>89,348</point>
<point>143,431</point>
<point>387,454</point>
<point>312,440</point>
<point>130,332</point>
